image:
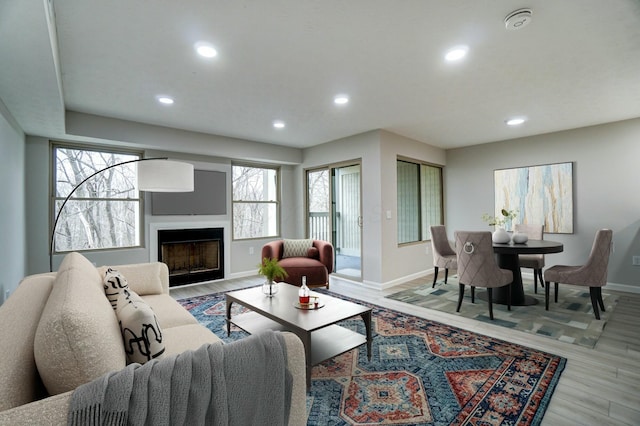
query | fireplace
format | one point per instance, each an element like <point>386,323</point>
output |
<point>192,255</point>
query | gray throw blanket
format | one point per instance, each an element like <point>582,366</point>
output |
<point>241,383</point>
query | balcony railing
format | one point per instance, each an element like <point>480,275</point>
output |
<point>319,226</point>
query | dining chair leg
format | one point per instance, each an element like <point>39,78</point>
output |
<point>593,292</point>
<point>535,281</point>
<point>556,291</point>
<point>546,295</point>
<point>473,294</point>
<point>539,271</point>
<point>460,296</point>
<point>446,274</point>
<point>435,276</point>
<point>600,301</point>
<point>509,297</point>
<point>490,300</point>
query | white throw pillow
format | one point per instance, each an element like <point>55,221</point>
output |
<point>296,248</point>
<point>114,284</point>
<point>141,333</point>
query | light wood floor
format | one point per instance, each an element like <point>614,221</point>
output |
<point>599,386</point>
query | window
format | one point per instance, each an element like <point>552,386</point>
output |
<point>255,201</point>
<point>419,200</point>
<point>105,211</point>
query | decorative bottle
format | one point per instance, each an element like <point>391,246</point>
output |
<point>303,293</point>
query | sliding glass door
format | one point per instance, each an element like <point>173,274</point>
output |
<point>334,214</point>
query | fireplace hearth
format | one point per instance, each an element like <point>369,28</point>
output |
<point>192,255</point>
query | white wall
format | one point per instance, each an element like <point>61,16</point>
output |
<point>12,206</point>
<point>606,187</point>
<point>366,148</point>
<point>383,262</point>
<point>408,260</point>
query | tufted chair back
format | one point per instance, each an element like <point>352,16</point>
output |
<point>443,255</point>
<point>476,261</point>
<point>592,274</point>
<point>477,267</point>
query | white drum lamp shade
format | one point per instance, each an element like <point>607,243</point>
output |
<point>165,176</point>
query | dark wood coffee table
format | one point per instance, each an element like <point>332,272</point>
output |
<point>317,328</point>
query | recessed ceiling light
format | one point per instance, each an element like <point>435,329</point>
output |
<point>515,121</point>
<point>205,49</point>
<point>341,99</point>
<point>166,100</point>
<point>456,53</point>
<point>278,124</point>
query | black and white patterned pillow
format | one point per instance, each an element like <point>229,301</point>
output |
<point>296,248</point>
<point>114,284</point>
<point>141,332</point>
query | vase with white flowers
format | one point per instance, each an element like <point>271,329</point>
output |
<point>505,219</point>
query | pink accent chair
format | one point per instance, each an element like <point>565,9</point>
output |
<point>316,266</point>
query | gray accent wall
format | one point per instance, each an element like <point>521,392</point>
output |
<point>12,206</point>
<point>606,189</point>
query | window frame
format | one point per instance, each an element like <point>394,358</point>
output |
<point>54,199</point>
<point>277,202</point>
<point>422,225</point>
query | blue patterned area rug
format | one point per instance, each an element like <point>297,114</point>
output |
<point>421,373</point>
<point>571,320</point>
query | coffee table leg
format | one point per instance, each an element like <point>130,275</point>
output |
<point>229,303</point>
<point>366,317</point>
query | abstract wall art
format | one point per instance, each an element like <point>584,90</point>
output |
<point>540,194</point>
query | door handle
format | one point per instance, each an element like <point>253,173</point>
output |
<point>360,221</point>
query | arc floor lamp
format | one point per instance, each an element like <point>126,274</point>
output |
<point>157,174</point>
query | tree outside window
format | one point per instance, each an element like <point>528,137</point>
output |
<point>255,201</point>
<point>105,211</point>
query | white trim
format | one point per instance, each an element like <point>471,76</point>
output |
<point>625,288</point>
<point>154,227</point>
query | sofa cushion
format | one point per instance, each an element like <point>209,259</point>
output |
<point>19,317</point>
<point>296,248</point>
<point>144,278</point>
<point>169,312</point>
<point>187,337</point>
<point>141,332</point>
<point>78,338</point>
<point>298,267</point>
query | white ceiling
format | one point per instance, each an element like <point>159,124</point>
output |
<point>577,64</point>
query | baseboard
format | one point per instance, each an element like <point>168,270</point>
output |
<point>244,274</point>
<point>625,288</point>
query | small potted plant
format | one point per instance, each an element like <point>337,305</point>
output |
<point>271,270</point>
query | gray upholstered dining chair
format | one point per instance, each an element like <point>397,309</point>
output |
<point>592,274</point>
<point>443,255</point>
<point>477,267</point>
<point>533,261</point>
